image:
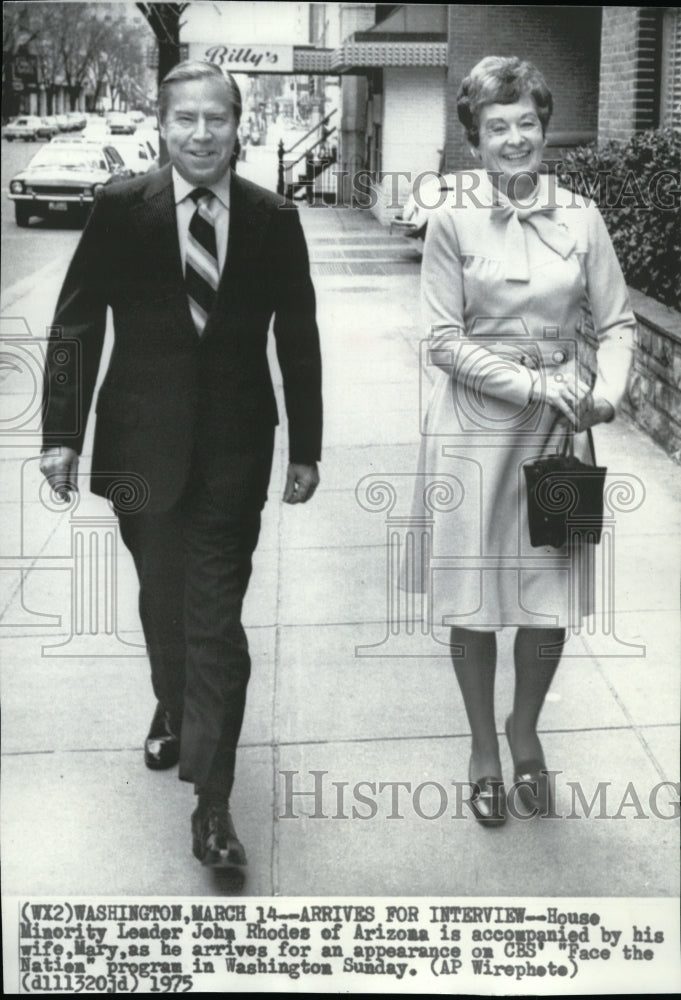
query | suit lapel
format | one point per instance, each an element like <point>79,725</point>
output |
<point>248,219</point>
<point>156,222</point>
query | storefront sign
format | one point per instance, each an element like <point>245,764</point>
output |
<point>244,57</point>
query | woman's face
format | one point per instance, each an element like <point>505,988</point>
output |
<point>511,143</point>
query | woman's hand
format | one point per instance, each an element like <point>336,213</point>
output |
<point>570,396</point>
<point>599,411</point>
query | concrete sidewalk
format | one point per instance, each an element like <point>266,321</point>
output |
<point>335,696</point>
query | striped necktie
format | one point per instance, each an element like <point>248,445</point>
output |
<point>202,271</point>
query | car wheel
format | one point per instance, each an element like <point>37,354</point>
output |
<point>22,213</point>
<point>10,138</point>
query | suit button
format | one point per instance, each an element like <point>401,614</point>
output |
<point>558,357</point>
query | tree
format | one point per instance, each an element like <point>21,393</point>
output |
<point>65,37</point>
<point>121,64</point>
<point>164,19</point>
<point>79,36</point>
<point>18,33</point>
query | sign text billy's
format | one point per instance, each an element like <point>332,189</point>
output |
<point>245,58</point>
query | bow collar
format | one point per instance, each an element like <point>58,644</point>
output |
<point>541,216</point>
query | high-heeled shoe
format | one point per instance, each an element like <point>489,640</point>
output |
<point>531,780</point>
<point>488,800</point>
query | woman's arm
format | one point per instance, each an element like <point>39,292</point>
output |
<point>613,319</point>
<point>473,366</point>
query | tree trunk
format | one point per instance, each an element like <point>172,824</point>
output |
<point>168,56</point>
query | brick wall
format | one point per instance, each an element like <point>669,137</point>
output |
<point>653,399</point>
<point>653,396</point>
<point>630,68</point>
<point>564,43</point>
<point>670,98</point>
<point>356,17</point>
<point>618,72</point>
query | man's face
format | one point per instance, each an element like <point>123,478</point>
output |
<point>200,129</point>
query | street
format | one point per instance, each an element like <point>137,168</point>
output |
<point>25,251</point>
<point>338,689</point>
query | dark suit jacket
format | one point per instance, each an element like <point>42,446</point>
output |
<point>168,396</point>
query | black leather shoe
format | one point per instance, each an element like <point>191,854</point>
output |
<point>531,780</point>
<point>488,800</point>
<point>162,745</point>
<point>214,840</point>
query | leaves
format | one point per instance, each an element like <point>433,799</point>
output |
<point>637,186</point>
<point>77,44</point>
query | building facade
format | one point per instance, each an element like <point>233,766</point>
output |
<point>613,71</point>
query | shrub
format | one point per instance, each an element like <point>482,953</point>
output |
<point>637,186</point>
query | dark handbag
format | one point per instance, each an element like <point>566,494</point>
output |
<point>564,497</point>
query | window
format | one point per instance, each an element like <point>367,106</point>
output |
<point>670,83</point>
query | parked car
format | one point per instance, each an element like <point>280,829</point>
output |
<point>62,123</point>
<point>64,177</point>
<point>149,137</point>
<point>120,124</point>
<point>96,128</point>
<point>76,120</point>
<point>420,205</point>
<point>137,116</point>
<point>48,128</point>
<point>24,127</point>
<point>135,153</point>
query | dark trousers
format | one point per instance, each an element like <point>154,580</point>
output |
<point>194,563</point>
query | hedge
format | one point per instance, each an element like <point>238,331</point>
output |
<point>637,186</point>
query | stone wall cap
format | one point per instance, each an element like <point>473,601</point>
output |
<point>664,319</point>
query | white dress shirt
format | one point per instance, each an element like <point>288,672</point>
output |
<point>185,208</point>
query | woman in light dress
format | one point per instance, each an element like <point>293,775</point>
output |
<point>510,261</point>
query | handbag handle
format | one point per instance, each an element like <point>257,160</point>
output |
<point>569,446</point>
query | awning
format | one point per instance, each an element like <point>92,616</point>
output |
<point>354,57</point>
<point>357,57</point>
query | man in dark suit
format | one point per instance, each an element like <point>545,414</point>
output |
<point>194,262</point>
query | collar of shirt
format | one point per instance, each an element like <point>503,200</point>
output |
<point>183,188</point>
<point>184,210</point>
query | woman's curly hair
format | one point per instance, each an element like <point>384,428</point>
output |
<point>501,80</point>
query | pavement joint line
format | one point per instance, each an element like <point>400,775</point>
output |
<point>625,711</point>
<point>426,737</point>
<point>25,286</point>
<point>274,854</point>
<point>123,631</point>
<point>363,260</point>
<point>332,624</point>
<point>23,574</point>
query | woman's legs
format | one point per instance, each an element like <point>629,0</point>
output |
<point>475,665</point>
<point>537,653</point>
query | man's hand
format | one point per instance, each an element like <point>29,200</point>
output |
<point>301,482</point>
<point>60,467</point>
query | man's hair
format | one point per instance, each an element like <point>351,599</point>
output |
<point>197,69</point>
<point>501,80</point>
